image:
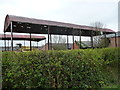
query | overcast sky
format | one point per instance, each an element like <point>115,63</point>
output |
<point>81,12</point>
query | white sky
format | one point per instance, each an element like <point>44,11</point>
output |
<point>81,12</point>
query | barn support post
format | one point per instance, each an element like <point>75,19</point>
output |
<point>50,42</point>
<point>67,43</point>
<point>5,40</point>
<point>30,43</point>
<point>115,40</point>
<point>45,44</point>
<point>92,39</point>
<point>11,36</point>
<point>105,39</point>
<point>48,37</point>
<point>80,39</point>
<point>73,38</point>
<point>101,34</point>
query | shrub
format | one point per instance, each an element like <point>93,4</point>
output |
<point>54,69</point>
<point>111,66</point>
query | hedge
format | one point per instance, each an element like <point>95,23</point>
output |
<point>56,69</point>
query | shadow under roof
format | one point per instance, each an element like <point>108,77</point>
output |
<point>38,26</point>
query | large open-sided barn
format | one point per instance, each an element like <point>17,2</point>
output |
<point>37,26</point>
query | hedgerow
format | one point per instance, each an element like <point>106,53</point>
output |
<point>56,69</point>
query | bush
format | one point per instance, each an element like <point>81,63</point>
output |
<point>111,65</point>
<point>54,69</point>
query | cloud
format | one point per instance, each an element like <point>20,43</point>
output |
<point>72,11</point>
<point>81,12</point>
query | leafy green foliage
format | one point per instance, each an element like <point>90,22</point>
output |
<point>56,69</point>
<point>111,66</point>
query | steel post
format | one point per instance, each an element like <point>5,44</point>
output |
<point>73,38</point>
<point>115,40</point>
<point>48,37</point>
<point>67,42</point>
<point>80,39</point>
<point>50,42</point>
<point>11,36</point>
<point>92,39</point>
<point>8,45</point>
<point>30,43</point>
<point>5,41</point>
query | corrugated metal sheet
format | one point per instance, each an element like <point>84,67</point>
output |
<point>10,18</point>
<point>23,37</point>
<point>113,35</point>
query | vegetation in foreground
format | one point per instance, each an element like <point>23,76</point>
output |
<point>90,68</point>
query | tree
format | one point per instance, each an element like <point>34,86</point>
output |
<point>59,43</point>
<point>99,40</point>
<point>59,39</point>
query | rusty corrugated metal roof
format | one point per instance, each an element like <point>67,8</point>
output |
<point>22,37</point>
<point>10,18</point>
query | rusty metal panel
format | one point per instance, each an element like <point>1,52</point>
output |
<point>22,37</point>
<point>19,19</point>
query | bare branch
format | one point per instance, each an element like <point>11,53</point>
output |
<point>97,26</point>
